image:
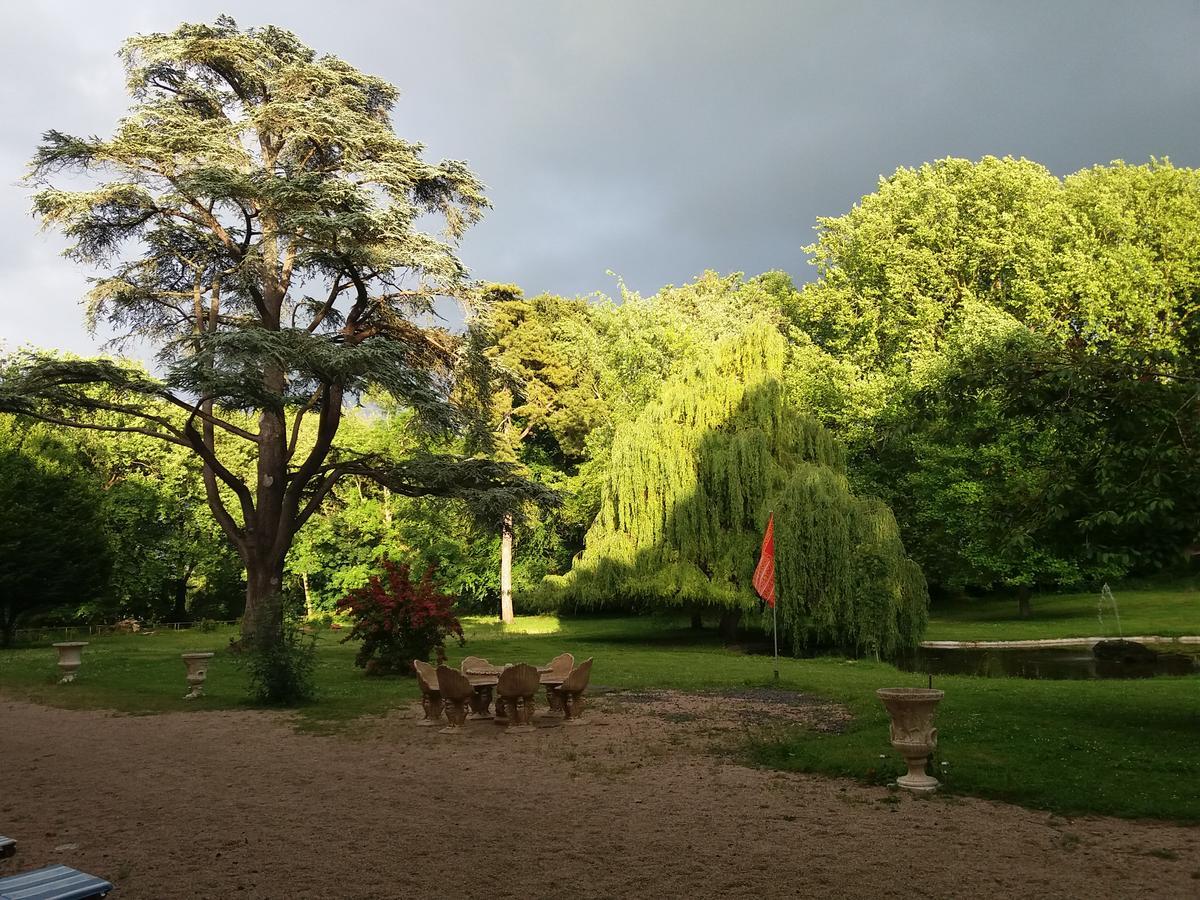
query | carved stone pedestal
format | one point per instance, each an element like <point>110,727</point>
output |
<point>481,702</point>
<point>431,706</point>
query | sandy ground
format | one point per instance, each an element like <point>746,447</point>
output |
<point>640,803</point>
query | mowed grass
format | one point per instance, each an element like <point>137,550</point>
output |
<point>1172,611</point>
<point>1124,748</point>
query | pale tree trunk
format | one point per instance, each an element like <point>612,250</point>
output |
<point>308,607</point>
<point>506,545</point>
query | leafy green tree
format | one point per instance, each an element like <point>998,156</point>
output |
<point>547,397</point>
<point>256,219</point>
<point>1129,270</point>
<point>170,560</point>
<point>545,353</point>
<point>53,551</point>
<point>691,483</point>
<point>898,270</point>
<point>1020,466</point>
<point>344,543</point>
<point>981,477</point>
<point>642,340</point>
<point>977,333</point>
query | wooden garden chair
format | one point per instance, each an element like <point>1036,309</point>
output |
<point>474,663</point>
<point>559,668</point>
<point>571,692</point>
<point>431,696</point>
<point>517,687</point>
<point>456,693</point>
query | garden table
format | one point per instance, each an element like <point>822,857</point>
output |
<point>484,678</point>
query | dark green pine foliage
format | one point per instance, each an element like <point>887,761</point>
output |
<point>256,219</point>
<point>690,486</point>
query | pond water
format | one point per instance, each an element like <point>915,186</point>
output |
<point>1049,662</point>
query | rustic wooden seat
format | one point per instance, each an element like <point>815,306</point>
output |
<point>456,693</point>
<point>431,697</point>
<point>557,671</point>
<point>474,663</point>
<point>571,692</point>
<point>516,689</point>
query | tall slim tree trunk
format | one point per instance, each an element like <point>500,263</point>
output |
<point>697,621</point>
<point>506,545</point>
<point>308,607</point>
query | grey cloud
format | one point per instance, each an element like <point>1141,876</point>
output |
<point>654,139</point>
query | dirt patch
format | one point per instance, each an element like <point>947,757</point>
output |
<point>731,710</point>
<point>228,804</point>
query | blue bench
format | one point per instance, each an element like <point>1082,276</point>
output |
<point>53,883</point>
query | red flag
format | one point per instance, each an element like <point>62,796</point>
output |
<point>764,574</point>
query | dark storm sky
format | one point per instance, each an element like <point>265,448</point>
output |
<point>649,139</point>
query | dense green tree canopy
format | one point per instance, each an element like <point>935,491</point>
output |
<point>977,334</point>
<point>545,353</point>
<point>1104,262</point>
<point>257,219</point>
<point>170,560</point>
<point>53,549</point>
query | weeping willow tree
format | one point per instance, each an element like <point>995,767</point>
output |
<point>690,485</point>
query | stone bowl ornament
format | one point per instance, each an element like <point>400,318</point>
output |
<point>197,672</point>
<point>70,658</point>
<point>912,732</point>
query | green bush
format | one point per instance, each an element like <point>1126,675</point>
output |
<point>281,674</point>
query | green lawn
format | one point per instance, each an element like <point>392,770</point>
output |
<point>1171,611</point>
<point>1125,748</point>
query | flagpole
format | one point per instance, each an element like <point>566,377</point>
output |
<point>764,582</point>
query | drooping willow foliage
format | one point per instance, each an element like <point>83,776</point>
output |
<point>691,483</point>
<point>842,577</point>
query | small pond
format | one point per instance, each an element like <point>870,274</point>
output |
<point>1050,662</point>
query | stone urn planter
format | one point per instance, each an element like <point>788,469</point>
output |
<point>197,671</point>
<point>912,731</point>
<point>70,658</point>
